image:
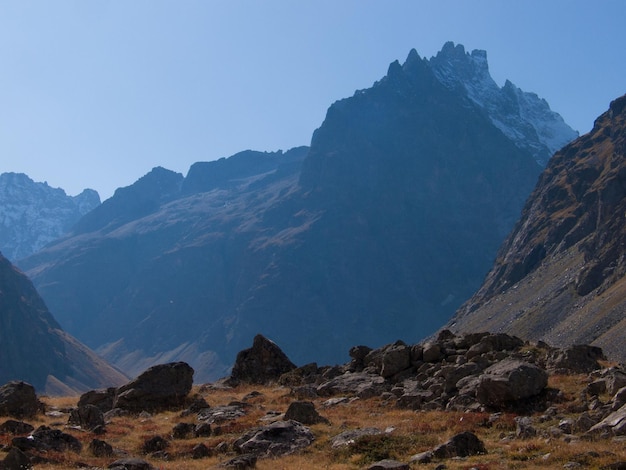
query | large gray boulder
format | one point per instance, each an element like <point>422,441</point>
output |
<point>161,387</point>
<point>508,381</point>
<point>577,359</point>
<point>613,424</point>
<point>18,399</point>
<point>261,364</point>
<point>276,439</point>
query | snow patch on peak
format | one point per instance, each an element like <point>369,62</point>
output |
<point>523,117</point>
<point>34,214</point>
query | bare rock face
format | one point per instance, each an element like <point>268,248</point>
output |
<point>160,387</point>
<point>264,362</point>
<point>18,399</point>
<point>508,381</point>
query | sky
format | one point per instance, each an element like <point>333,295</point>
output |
<point>94,94</point>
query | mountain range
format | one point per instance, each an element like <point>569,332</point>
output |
<point>377,231</point>
<point>35,214</point>
<point>560,274</point>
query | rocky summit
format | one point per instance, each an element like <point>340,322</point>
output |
<point>379,230</point>
<point>560,274</point>
<point>35,214</point>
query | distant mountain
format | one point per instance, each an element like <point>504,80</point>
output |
<point>33,347</point>
<point>34,214</point>
<point>379,231</point>
<point>561,274</point>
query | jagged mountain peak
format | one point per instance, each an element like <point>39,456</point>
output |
<point>34,214</point>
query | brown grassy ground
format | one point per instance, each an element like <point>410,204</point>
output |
<point>413,432</point>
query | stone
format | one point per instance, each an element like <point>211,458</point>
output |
<point>276,439</point>
<point>183,430</point>
<point>431,352</point>
<point>263,363</point>
<point>18,399</point>
<point>160,387</point>
<point>103,399</point>
<point>11,426</point>
<point>241,462</point>
<point>100,448</point>
<point>361,384</point>
<point>88,417</point>
<point>304,412</point>
<point>597,387</point>
<point>524,428</point>
<point>460,445</point>
<point>396,358</point>
<point>131,464</point>
<point>202,430</point>
<point>577,359</point>
<point>388,464</point>
<point>615,379</point>
<point>220,414</point>
<point>46,439</point>
<point>347,438</point>
<point>614,424</point>
<point>200,451</point>
<point>16,460</point>
<point>508,381</point>
<point>154,444</point>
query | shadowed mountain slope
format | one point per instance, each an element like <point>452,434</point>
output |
<point>378,231</point>
<point>560,275</point>
<point>33,347</point>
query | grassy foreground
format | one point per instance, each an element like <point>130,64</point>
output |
<point>409,433</point>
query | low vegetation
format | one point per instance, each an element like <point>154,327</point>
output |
<point>404,434</point>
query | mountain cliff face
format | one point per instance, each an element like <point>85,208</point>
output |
<point>33,347</point>
<point>560,275</point>
<point>34,214</point>
<point>377,232</point>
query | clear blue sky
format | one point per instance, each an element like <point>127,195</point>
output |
<point>96,93</point>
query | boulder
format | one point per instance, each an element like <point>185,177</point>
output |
<point>508,381</point>
<point>11,426</point>
<point>103,399</point>
<point>360,384</point>
<point>304,412</point>
<point>263,363</point>
<point>276,439</point>
<point>16,460</point>
<point>613,424</point>
<point>577,359</point>
<point>87,417</point>
<point>18,399</point>
<point>184,431</point>
<point>349,437</point>
<point>130,464</point>
<point>396,358</point>
<point>461,445</point>
<point>160,387</point>
<point>200,451</point>
<point>241,462</point>
<point>100,448</point>
<point>388,464</point>
<point>154,444</point>
<point>46,439</point>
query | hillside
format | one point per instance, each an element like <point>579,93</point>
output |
<point>33,347</point>
<point>376,232</point>
<point>560,275</point>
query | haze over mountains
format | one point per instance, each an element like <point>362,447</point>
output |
<point>559,277</point>
<point>378,231</point>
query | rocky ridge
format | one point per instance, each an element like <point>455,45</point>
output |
<point>560,275</point>
<point>35,214</point>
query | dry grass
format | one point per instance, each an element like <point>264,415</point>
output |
<point>409,433</point>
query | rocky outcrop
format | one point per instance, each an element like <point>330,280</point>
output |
<point>561,273</point>
<point>263,363</point>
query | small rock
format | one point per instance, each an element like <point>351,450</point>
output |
<point>100,448</point>
<point>200,451</point>
<point>388,464</point>
<point>304,412</point>
<point>154,444</point>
